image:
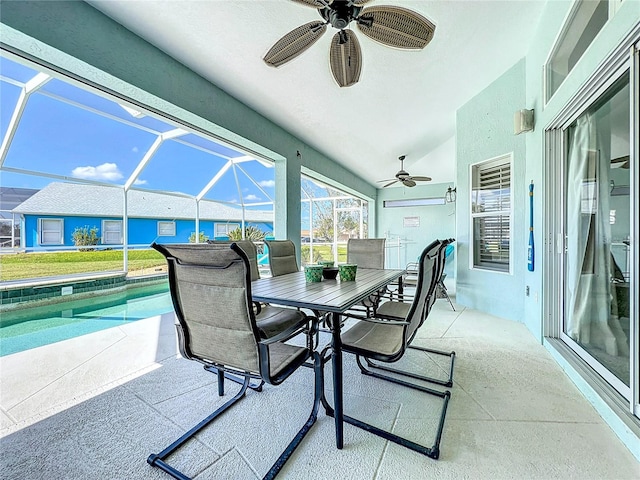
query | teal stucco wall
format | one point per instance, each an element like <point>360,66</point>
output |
<point>435,221</point>
<point>484,130</point>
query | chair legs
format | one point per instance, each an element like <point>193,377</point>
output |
<point>447,383</point>
<point>431,452</point>
<point>158,460</point>
<point>441,292</point>
<point>318,390</point>
<point>257,387</point>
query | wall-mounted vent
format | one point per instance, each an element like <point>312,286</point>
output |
<point>66,291</point>
<point>414,202</point>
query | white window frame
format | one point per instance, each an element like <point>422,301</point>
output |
<point>573,27</point>
<point>163,226</point>
<point>492,162</point>
<point>228,227</point>
<point>106,233</point>
<point>42,231</point>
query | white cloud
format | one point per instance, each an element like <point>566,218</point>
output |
<point>140,182</point>
<point>252,197</point>
<point>106,171</point>
<point>267,183</point>
<point>134,149</point>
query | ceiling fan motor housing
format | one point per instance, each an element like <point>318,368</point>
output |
<point>340,14</point>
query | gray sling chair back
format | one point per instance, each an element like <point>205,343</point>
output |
<point>367,253</point>
<point>387,341</point>
<point>282,257</point>
<point>216,325</point>
<point>395,311</point>
<point>250,250</point>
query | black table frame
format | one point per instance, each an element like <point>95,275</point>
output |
<point>332,296</point>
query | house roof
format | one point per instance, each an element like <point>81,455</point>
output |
<point>95,200</point>
<point>11,197</point>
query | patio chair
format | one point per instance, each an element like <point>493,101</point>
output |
<point>282,257</point>
<point>395,310</point>
<point>441,289</point>
<point>398,311</point>
<point>387,341</point>
<point>250,250</point>
<point>211,293</point>
<point>367,253</point>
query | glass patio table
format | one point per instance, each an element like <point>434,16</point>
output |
<point>332,296</point>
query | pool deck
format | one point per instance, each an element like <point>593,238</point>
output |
<point>96,406</point>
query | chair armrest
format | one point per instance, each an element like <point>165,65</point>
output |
<point>288,333</point>
<point>384,322</point>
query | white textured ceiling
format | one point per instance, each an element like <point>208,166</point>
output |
<point>405,102</point>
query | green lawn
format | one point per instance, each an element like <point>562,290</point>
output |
<point>34,265</point>
<point>323,252</point>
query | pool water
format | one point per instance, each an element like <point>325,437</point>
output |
<point>34,327</point>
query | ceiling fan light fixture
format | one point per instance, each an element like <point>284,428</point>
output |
<point>450,195</point>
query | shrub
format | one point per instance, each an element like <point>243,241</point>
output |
<point>203,238</point>
<point>84,236</point>
<point>251,233</point>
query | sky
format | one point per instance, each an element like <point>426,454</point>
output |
<point>71,132</point>
<point>105,143</point>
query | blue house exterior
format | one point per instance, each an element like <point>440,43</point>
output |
<point>50,217</point>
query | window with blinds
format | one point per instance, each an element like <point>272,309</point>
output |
<point>112,232</point>
<point>491,214</point>
<point>51,231</point>
<point>166,229</point>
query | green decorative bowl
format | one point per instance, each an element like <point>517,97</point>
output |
<point>347,272</point>
<point>313,273</point>
<point>330,273</point>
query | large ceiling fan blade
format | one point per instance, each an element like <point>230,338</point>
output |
<point>314,3</point>
<point>396,26</point>
<point>407,182</point>
<point>419,178</point>
<point>387,180</point>
<point>389,184</point>
<point>345,58</point>
<point>294,43</point>
<point>359,3</point>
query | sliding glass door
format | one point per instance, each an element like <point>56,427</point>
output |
<point>597,320</point>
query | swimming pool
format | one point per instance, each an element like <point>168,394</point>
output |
<point>34,327</point>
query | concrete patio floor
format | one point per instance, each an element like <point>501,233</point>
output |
<point>96,406</point>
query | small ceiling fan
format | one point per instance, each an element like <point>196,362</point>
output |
<point>620,162</point>
<point>393,26</point>
<point>404,177</point>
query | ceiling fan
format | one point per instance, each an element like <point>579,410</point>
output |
<point>404,177</point>
<point>620,162</point>
<point>393,26</point>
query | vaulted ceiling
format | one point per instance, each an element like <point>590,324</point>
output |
<point>405,102</point>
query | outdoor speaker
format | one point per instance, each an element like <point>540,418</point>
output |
<point>522,121</point>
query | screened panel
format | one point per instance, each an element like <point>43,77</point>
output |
<point>9,95</point>
<point>174,155</point>
<point>63,91</point>
<point>62,139</point>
